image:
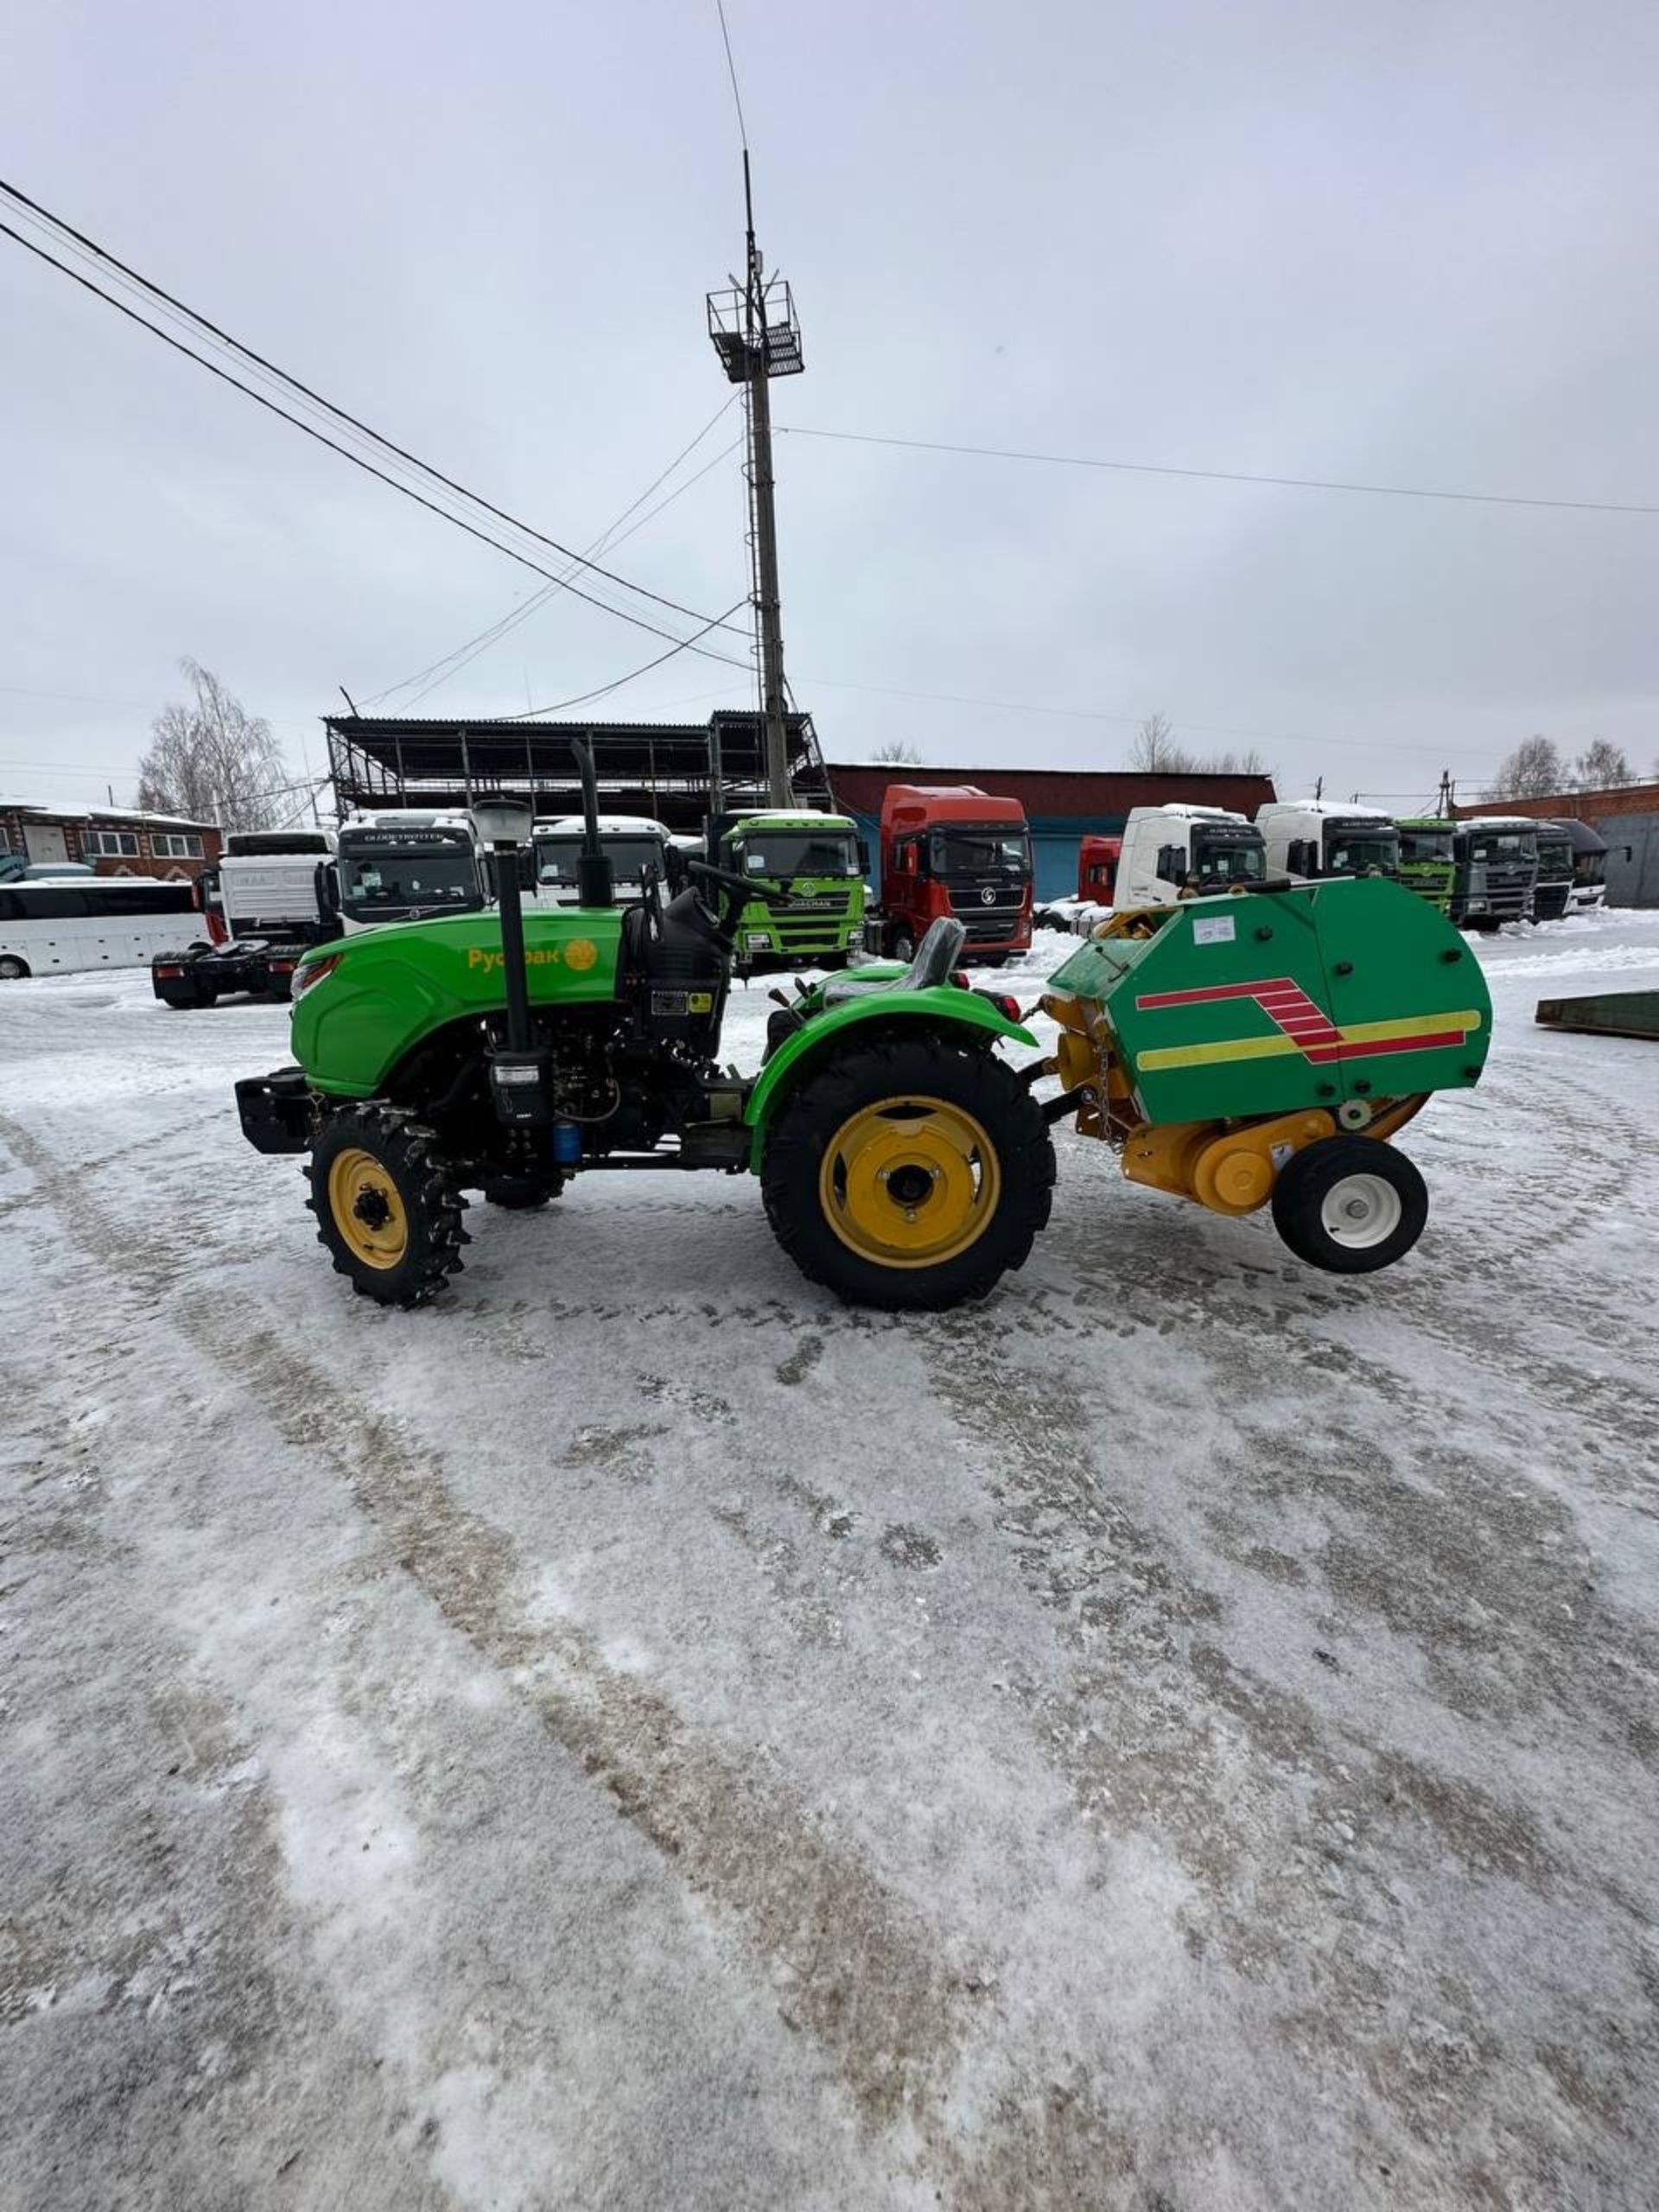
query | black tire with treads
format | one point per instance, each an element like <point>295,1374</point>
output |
<point>406,1152</point>
<point>897,1063</point>
<point>1313,1175</point>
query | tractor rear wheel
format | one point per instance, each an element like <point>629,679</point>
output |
<point>908,1171</point>
<point>388,1211</point>
<point>1350,1205</point>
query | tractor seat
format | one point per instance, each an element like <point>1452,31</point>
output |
<point>936,957</point>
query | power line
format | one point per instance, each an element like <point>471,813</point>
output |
<point>203,323</point>
<point>538,599</point>
<point>357,460</point>
<point>92,699</point>
<point>583,697</point>
<point>464,653</point>
<point>1223,475</point>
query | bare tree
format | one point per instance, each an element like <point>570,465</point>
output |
<point>896,754</point>
<point>1600,765</point>
<point>1155,753</point>
<point>1533,770</point>
<point>210,761</point>
<point>1154,750</point>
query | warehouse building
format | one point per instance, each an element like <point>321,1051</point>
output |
<point>674,772</point>
<point>1062,804</point>
<point>1627,817</point>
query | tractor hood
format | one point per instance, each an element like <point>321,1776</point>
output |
<point>365,1001</point>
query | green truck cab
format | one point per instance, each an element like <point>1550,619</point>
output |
<point>808,870</point>
<point>1428,862</point>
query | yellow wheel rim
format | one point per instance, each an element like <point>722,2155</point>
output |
<point>909,1182</point>
<point>368,1210</point>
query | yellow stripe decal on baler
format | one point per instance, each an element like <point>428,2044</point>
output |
<point>1299,1027</point>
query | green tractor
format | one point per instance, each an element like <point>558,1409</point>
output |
<point>901,1163</point>
<point>1257,1049</point>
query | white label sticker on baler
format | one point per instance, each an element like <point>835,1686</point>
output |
<point>1214,928</point>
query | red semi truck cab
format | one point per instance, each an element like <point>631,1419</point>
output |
<point>1097,860</point>
<point>951,850</point>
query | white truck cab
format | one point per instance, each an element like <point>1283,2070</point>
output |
<point>632,842</point>
<point>1169,851</point>
<point>276,883</point>
<point>405,864</point>
<point>1313,837</point>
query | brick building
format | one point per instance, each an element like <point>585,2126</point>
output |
<point>1627,817</point>
<point>110,840</point>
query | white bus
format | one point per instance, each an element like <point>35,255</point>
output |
<point>67,924</point>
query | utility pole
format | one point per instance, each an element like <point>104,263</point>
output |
<point>1448,798</point>
<point>755,333</point>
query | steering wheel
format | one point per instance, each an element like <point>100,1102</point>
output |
<point>743,885</point>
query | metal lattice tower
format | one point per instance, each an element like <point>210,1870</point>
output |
<point>755,333</point>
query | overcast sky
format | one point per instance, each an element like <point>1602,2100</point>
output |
<point>1403,244</point>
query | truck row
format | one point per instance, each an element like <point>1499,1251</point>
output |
<point>950,850</point>
<point>1480,872</point>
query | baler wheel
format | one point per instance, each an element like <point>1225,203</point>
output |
<point>1350,1205</point>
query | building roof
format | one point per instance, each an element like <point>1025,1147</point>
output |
<point>664,770</point>
<point>1576,806</point>
<point>1048,791</point>
<point>139,816</point>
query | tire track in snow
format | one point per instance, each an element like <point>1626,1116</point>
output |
<point>851,1966</point>
<point>1295,1817</point>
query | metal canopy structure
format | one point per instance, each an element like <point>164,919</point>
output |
<point>678,772</point>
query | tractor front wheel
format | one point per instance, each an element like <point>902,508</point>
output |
<point>1350,1205</point>
<point>908,1172</point>
<point>388,1211</point>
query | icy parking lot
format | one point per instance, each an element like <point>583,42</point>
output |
<point>1182,1735</point>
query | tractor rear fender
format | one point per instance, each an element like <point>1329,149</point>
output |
<point>958,1014</point>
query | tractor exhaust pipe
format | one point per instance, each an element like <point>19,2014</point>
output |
<point>595,881</point>
<point>505,825</point>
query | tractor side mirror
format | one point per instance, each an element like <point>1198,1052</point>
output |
<point>328,888</point>
<point>863,856</point>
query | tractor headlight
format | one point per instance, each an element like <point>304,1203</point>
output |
<point>313,971</point>
<point>758,940</point>
<point>855,938</point>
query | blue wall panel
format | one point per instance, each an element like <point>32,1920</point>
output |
<point>1054,842</point>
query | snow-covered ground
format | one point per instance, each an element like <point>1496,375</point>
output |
<point>1182,1735</point>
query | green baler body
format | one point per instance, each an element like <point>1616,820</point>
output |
<point>1277,1002</point>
